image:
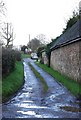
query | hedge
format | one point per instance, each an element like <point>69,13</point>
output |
<point>9,58</point>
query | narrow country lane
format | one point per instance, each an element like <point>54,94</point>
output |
<point>31,103</point>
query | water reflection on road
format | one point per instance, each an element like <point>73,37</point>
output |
<point>31,103</point>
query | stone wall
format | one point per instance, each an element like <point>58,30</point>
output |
<point>44,58</point>
<point>67,60</point>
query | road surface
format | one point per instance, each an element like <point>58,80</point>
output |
<point>30,102</point>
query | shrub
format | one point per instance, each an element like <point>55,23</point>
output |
<point>39,53</point>
<point>18,55</point>
<point>8,60</point>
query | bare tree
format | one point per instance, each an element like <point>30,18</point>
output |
<point>3,11</point>
<point>34,44</point>
<point>2,7</point>
<point>8,34</point>
<point>2,18</point>
<point>42,38</point>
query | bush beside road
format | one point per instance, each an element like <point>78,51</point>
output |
<point>12,73</point>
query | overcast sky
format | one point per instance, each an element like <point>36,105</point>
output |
<point>39,16</point>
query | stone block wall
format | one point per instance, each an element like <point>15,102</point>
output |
<point>44,58</point>
<point>67,60</point>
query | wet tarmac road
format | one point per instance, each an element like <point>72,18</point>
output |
<point>31,103</point>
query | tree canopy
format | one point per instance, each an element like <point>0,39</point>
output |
<point>39,50</point>
<point>34,44</point>
<point>72,20</point>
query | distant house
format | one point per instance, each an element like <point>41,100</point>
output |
<point>27,51</point>
<point>66,53</point>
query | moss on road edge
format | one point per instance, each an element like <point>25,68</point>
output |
<point>45,86</point>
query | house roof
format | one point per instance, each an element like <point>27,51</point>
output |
<point>71,35</point>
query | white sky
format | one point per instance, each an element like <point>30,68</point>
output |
<point>39,16</point>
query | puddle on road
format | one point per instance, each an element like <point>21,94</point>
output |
<point>71,109</point>
<point>27,113</point>
<point>26,88</point>
<point>29,88</point>
<point>53,96</point>
<point>29,105</point>
<point>27,101</point>
<point>35,115</point>
<point>24,95</point>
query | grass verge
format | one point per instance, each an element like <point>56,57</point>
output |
<point>71,85</point>
<point>45,86</point>
<point>13,82</point>
<point>25,55</point>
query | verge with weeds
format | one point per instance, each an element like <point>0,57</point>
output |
<point>73,86</point>
<point>13,82</point>
<point>25,55</point>
<point>45,86</point>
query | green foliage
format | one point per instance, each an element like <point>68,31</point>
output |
<point>25,55</point>
<point>69,24</point>
<point>13,82</point>
<point>48,51</point>
<point>47,48</point>
<point>18,55</point>
<point>39,53</point>
<point>9,57</point>
<point>71,21</point>
<point>71,85</point>
<point>23,48</point>
<point>8,61</point>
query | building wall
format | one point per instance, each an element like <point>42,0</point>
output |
<point>67,60</point>
<point>44,58</point>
